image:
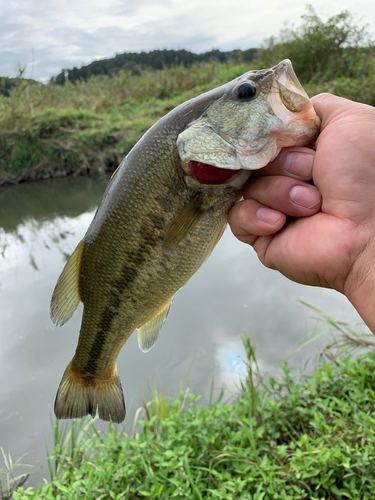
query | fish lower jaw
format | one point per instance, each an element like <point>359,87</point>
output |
<point>235,173</point>
<point>239,179</point>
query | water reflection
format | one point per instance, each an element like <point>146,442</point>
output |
<point>232,294</point>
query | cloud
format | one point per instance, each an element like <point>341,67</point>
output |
<point>67,33</point>
<point>65,37</point>
<point>131,7</point>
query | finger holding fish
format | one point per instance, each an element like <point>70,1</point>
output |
<point>296,162</point>
<point>292,197</point>
<point>267,203</point>
<point>249,219</point>
<point>272,194</point>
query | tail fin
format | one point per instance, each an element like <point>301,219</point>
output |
<point>77,397</point>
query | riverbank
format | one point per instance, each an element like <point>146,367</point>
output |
<point>49,131</point>
<point>280,440</point>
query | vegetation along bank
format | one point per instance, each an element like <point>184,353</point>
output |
<point>86,120</point>
<point>280,440</point>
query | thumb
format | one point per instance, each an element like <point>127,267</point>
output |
<point>329,106</point>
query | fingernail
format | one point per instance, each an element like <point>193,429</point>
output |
<point>299,164</point>
<point>268,215</point>
<point>305,196</point>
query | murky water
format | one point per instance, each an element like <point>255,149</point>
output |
<point>231,295</point>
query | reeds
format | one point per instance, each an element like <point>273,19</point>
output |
<point>10,480</point>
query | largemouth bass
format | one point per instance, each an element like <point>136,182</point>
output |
<point>163,212</point>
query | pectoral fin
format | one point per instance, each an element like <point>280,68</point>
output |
<point>66,296</point>
<point>217,239</point>
<point>149,332</point>
<point>185,222</point>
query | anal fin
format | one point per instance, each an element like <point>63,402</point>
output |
<point>149,332</point>
<point>66,296</point>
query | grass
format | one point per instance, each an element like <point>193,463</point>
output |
<point>282,439</point>
<point>51,131</point>
<point>9,480</point>
<point>344,340</point>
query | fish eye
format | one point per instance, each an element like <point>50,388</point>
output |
<point>246,91</point>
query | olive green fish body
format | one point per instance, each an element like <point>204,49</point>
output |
<point>125,274</point>
<point>161,215</point>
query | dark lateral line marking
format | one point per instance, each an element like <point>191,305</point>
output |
<point>129,274</point>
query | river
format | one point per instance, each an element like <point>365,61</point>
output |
<point>231,295</point>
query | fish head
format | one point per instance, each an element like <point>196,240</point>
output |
<point>249,122</point>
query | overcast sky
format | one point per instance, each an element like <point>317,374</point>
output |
<point>49,35</point>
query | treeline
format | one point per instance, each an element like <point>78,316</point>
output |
<point>7,84</point>
<point>337,49</point>
<point>135,62</point>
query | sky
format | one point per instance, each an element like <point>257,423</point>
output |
<point>49,35</point>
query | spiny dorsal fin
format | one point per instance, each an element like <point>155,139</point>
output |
<point>149,332</point>
<point>185,222</point>
<point>66,297</point>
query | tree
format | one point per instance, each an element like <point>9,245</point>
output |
<point>321,50</point>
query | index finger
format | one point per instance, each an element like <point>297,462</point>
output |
<point>296,162</point>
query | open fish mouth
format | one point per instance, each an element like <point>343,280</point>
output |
<point>209,174</point>
<point>285,75</point>
<point>292,106</point>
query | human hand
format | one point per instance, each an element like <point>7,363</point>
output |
<point>330,241</point>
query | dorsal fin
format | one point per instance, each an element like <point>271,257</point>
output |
<point>66,296</point>
<point>185,222</point>
<point>149,332</point>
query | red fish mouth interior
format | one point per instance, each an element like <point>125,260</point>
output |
<point>208,174</point>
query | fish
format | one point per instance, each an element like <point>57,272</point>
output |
<point>161,215</point>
